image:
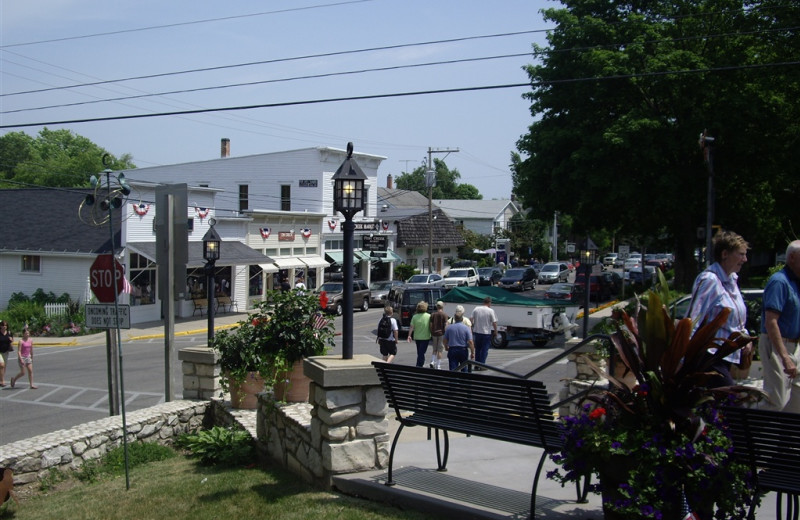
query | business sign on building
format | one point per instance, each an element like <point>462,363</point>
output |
<point>308,183</point>
<point>286,236</point>
<point>367,226</point>
<point>374,242</point>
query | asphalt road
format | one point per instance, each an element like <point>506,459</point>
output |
<point>73,380</point>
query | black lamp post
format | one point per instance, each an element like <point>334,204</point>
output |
<point>211,243</point>
<point>349,197</point>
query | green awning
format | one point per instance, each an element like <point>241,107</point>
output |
<point>337,257</point>
<point>385,256</point>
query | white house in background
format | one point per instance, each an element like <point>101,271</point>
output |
<point>481,216</point>
<point>288,194</point>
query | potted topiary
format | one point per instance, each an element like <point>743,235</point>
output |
<point>277,335</point>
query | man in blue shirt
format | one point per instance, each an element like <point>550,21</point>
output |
<point>458,340</point>
<point>780,331</point>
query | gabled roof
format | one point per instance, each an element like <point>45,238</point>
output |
<point>475,209</point>
<point>413,231</point>
<point>45,220</point>
<point>395,198</point>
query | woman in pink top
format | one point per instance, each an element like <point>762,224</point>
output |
<point>25,358</point>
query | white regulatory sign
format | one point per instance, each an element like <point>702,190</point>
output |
<point>104,316</point>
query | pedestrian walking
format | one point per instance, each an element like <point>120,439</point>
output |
<point>715,289</point>
<point>780,330</point>
<point>484,327</point>
<point>25,359</point>
<point>458,342</point>
<point>438,325</point>
<point>388,334</point>
<point>420,331</point>
<point>6,347</point>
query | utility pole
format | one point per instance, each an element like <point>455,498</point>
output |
<point>555,236</point>
<point>430,181</point>
<point>705,143</point>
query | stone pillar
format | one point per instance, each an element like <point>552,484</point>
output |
<point>579,375</point>
<point>200,372</point>
<point>343,429</point>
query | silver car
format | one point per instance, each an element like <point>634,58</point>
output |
<point>553,272</point>
<point>425,280</point>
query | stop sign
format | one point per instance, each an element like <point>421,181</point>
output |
<point>105,272</point>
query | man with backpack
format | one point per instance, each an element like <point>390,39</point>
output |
<point>388,334</point>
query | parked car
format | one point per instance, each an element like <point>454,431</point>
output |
<point>614,281</point>
<point>752,298</point>
<point>426,280</point>
<point>489,275</point>
<point>609,259</point>
<point>379,291</point>
<point>461,277</point>
<point>554,272</point>
<point>619,262</point>
<point>404,302</point>
<point>564,292</point>
<point>335,293</point>
<point>645,275</point>
<point>518,279</point>
<point>632,263</point>
<point>537,266</point>
<point>599,289</point>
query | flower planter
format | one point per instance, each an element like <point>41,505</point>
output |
<point>244,395</point>
<point>293,386</point>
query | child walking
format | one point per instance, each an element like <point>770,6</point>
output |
<point>25,358</point>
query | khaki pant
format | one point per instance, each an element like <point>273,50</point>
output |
<point>782,391</point>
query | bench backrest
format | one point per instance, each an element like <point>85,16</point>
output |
<point>491,406</point>
<point>766,439</point>
<point>200,302</point>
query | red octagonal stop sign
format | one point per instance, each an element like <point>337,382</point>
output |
<point>104,273</point>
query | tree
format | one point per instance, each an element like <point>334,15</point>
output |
<point>447,186</point>
<point>621,94</point>
<point>56,158</point>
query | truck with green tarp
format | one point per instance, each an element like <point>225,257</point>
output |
<point>518,317</point>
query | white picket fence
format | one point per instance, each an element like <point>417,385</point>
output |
<point>55,309</point>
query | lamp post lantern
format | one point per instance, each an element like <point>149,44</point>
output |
<point>211,247</point>
<point>349,197</point>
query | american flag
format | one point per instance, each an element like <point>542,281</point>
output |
<point>319,320</point>
<point>686,511</point>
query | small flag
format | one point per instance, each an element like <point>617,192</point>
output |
<point>320,321</point>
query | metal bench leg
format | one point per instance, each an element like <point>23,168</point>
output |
<point>442,462</point>
<point>389,480</point>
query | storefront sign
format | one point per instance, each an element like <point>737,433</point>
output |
<point>286,236</point>
<point>367,226</point>
<point>374,242</point>
<point>308,183</point>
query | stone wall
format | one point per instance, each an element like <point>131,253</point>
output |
<point>343,429</point>
<point>69,449</point>
<point>579,376</point>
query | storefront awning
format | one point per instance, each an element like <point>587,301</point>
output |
<point>268,268</point>
<point>231,253</point>
<point>386,256</point>
<point>314,262</point>
<point>289,262</point>
<point>337,257</point>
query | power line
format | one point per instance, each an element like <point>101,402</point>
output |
<point>179,24</point>
<point>405,94</point>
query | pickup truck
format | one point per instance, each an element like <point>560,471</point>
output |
<point>461,277</point>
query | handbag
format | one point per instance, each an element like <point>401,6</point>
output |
<point>746,359</point>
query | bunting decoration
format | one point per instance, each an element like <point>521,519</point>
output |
<point>141,209</point>
<point>202,212</point>
<point>385,225</point>
<point>306,232</point>
<point>332,224</point>
<point>265,231</point>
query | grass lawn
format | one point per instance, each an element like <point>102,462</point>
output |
<point>179,488</point>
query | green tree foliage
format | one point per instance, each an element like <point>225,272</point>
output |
<point>56,158</point>
<point>622,93</point>
<point>447,185</point>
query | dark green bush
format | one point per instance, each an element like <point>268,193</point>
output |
<point>226,446</point>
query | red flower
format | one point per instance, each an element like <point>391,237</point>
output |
<point>597,413</point>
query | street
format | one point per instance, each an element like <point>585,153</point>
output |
<point>73,389</point>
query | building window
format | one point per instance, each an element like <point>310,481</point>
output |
<point>31,264</point>
<point>143,280</point>
<point>244,202</point>
<point>256,285</point>
<point>334,245</point>
<point>286,197</point>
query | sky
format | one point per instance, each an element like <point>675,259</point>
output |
<point>287,53</point>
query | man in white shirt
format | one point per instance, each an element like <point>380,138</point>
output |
<point>484,326</point>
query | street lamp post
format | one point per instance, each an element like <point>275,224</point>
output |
<point>706,144</point>
<point>211,246</point>
<point>349,197</point>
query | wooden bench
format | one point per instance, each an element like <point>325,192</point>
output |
<point>225,301</point>
<point>769,443</point>
<point>199,305</point>
<point>501,408</point>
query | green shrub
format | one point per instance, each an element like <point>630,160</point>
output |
<point>226,446</point>
<point>138,453</point>
<point>50,479</point>
<point>404,272</point>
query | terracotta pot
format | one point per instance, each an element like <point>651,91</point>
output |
<point>293,387</point>
<point>244,394</point>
